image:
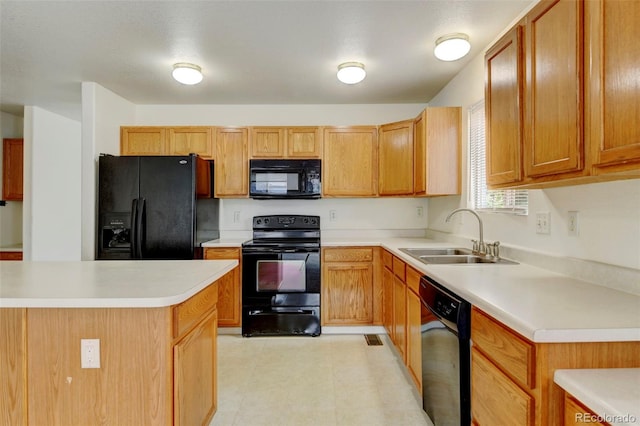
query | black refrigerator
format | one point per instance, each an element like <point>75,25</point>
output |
<point>149,207</point>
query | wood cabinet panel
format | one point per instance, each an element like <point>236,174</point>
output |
<point>133,385</point>
<point>495,399</point>
<point>304,142</point>
<point>10,255</point>
<point>350,166</point>
<point>400,316</point>
<point>191,140</point>
<point>268,142</point>
<point>188,313</point>
<point>414,337</point>
<point>348,254</point>
<point>503,109</point>
<point>612,90</point>
<point>12,169</point>
<point>229,287</point>
<point>395,170</point>
<point>515,355</point>
<point>399,268</point>
<point>347,293</point>
<point>194,374</point>
<point>437,151</point>
<point>554,88</point>
<point>143,140</point>
<point>232,162</point>
<point>576,414</point>
<point>13,366</point>
<point>387,301</point>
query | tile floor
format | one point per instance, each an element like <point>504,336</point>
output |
<point>322,381</point>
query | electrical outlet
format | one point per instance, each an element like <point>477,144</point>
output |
<point>572,225</point>
<point>90,353</point>
<point>543,224</point>
<point>236,216</point>
<point>419,211</point>
<point>332,215</point>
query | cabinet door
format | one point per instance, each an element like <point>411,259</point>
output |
<point>194,377</point>
<point>347,293</point>
<point>188,140</point>
<point>304,142</point>
<point>414,337</point>
<point>395,172</point>
<point>503,109</point>
<point>399,316</point>
<point>143,141</point>
<point>436,147</point>
<point>12,169</point>
<point>387,302</point>
<point>554,100</point>
<point>267,142</point>
<point>575,414</point>
<point>613,92</point>
<point>495,399</point>
<point>232,162</point>
<point>229,287</point>
<point>350,166</point>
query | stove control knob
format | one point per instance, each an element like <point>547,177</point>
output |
<point>306,220</point>
<point>266,221</point>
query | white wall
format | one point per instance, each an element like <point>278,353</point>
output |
<point>52,198</point>
<point>11,126</point>
<point>609,213</point>
<point>103,112</point>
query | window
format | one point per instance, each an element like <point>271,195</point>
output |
<point>514,201</point>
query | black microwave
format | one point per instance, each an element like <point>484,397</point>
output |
<point>284,179</point>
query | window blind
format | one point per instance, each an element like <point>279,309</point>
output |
<point>515,201</point>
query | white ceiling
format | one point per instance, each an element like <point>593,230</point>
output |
<point>251,52</point>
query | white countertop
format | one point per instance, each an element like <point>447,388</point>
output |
<point>106,284</point>
<point>611,393</point>
<point>541,305</point>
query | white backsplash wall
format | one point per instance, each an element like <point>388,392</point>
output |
<point>352,215</point>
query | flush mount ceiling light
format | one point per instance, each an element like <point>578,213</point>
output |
<point>186,73</point>
<point>452,47</point>
<point>351,72</point>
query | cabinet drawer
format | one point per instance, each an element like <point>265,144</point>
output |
<point>413,280</point>
<point>189,312</point>
<point>575,414</point>
<point>514,354</point>
<point>221,253</point>
<point>495,399</point>
<point>399,268</point>
<point>348,254</point>
<point>387,260</point>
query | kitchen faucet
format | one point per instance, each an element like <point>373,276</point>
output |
<point>477,246</point>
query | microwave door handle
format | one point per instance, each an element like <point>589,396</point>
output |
<point>133,233</point>
<point>140,227</point>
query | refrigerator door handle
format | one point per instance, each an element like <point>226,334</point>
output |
<point>139,227</point>
<point>134,233</point>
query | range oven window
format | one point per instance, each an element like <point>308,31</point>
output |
<point>280,275</point>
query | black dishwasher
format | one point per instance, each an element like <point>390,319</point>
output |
<point>446,355</point>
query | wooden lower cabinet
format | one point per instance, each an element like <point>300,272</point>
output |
<point>229,287</point>
<point>348,276</point>
<point>414,332</point>
<point>10,255</point>
<point>576,414</point>
<point>512,377</point>
<point>157,365</point>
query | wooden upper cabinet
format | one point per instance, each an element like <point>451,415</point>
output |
<point>187,140</point>
<point>503,100</point>
<point>286,142</point>
<point>139,140</point>
<point>395,172</point>
<point>437,144</point>
<point>267,142</point>
<point>350,161</point>
<point>12,169</point>
<point>232,162</point>
<point>612,90</point>
<point>304,142</point>
<point>554,88</point>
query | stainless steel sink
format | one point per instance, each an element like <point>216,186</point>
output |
<point>452,256</point>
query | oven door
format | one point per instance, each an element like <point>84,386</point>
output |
<point>280,277</point>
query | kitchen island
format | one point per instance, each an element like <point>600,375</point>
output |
<point>156,322</point>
